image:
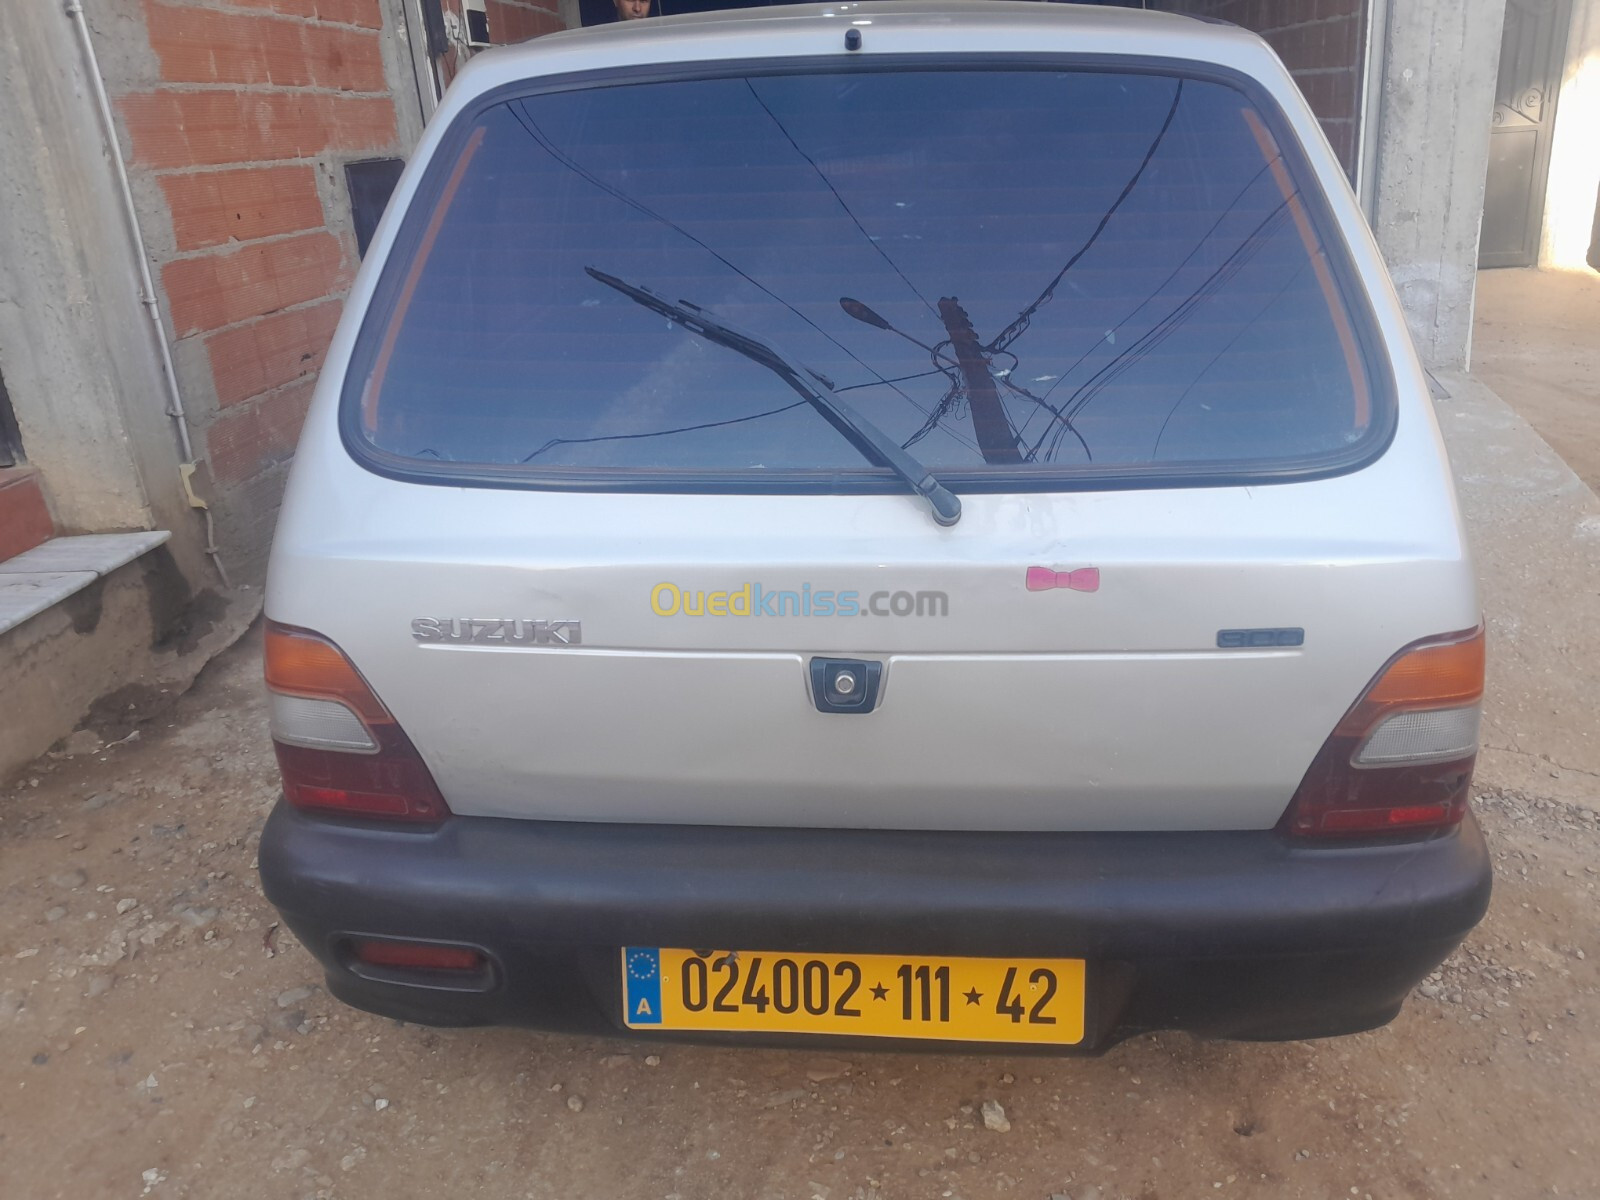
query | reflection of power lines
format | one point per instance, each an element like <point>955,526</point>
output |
<point>1155,446</point>
<point>1154,336</point>
<point>1043,402</point>
<point>633,437</point>
<point>655,433</point>
<point>828,183</point>
<point>953,394</point>
<point>989,419</point>
<point>531,127</point>
<point>998,440</point>
<point>979,376</point>
<point>1020,324</point>
<point>976,361</point>
<point>976,388</point>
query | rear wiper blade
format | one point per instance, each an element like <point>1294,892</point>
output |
<point>862,433</point>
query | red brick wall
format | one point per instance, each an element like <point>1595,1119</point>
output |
<point>24,516</point>
<point>518,20</point>
<point>1322,42</point>
<point>240,119</point>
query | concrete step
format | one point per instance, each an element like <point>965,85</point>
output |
<point>47,574</point>
<point>1535,531</point>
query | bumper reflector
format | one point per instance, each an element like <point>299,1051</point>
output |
<point>417,956</point>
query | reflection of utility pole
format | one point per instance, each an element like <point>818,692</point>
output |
<point>995,438</point>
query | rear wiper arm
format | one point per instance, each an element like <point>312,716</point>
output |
<point>862,433</point>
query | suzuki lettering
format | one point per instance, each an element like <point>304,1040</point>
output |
<point>492,631</point>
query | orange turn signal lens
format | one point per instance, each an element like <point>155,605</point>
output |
<point>1444,675</point>
<point>300,663</point>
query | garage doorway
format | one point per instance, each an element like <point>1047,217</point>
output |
<point>1532,53</point>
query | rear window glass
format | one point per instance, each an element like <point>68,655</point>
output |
<point>1030,273</point>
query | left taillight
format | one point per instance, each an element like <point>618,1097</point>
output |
<point>1400,760</point>
<point>339,749</point>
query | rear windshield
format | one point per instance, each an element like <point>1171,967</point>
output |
<point>1021,276</point>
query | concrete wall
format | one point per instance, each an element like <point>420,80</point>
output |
<point>1574,185</point>
<point>77,351</point>
<point>1441,59</point>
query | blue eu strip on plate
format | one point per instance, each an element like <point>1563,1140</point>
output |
<point>642,991</point>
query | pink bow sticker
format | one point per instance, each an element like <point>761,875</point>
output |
<point>1084,579</point>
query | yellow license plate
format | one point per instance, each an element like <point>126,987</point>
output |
<point>862,995</point>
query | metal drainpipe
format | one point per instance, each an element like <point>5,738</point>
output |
<point>147,287</point>
<point>1369,120</point>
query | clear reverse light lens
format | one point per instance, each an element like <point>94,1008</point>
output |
<point>319,725</point>
<point>1421,737</point>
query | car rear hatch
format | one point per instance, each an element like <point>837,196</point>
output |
<point>589,548</point>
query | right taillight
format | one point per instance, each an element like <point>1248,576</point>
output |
<point>339,749</point>
<point>1400,761</point>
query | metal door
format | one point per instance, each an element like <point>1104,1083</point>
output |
<point>1532,53</point>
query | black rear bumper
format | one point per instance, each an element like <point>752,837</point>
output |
<point>1235,935</point>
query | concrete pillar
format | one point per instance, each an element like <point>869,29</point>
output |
<point>76,346</point>
<point>1441,59</point>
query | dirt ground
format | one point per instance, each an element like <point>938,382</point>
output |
<point>1536,341</point>
<point>160,1037</point>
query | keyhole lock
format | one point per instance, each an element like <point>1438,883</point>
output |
<point>845,685</point>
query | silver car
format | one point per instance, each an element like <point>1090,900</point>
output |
<point>917,522</point>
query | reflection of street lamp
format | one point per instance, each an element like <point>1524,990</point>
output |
<point>869,316</point>
<point>995,440</point>
<point>865,315</point>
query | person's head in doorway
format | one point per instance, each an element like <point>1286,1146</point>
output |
<point>632,10</point>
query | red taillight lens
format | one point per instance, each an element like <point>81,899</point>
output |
<point>1401,760</point>
<point>418,956</point>
<point>339,749</point>
<point>1374,820</point>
